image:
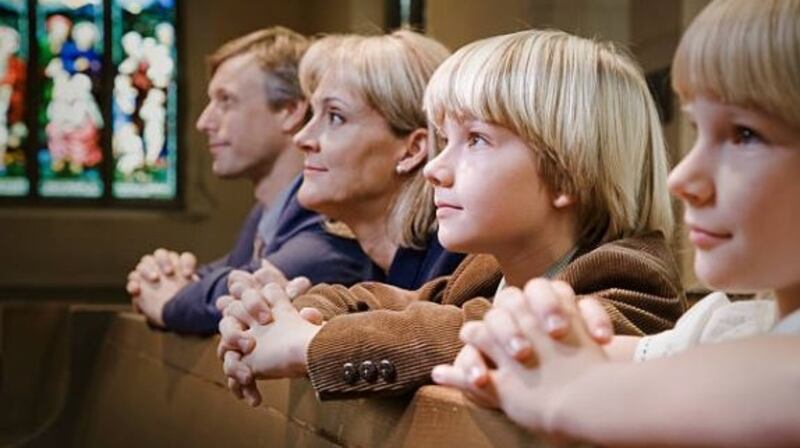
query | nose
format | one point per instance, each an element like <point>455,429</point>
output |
<point>205,122</point>
<point>438,170</point>
<point>306,139</point>
<point>692,179</point>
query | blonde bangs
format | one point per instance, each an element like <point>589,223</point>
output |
<point>746,53</point>
<point>316,61</point>
<point>468,85</point>
<point>584,110</point>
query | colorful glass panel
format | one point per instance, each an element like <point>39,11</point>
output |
<point>13,74</point>
<point>70,59</point>
<point>145,99</point>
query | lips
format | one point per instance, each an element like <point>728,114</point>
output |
<point>308,167</point>
<point>445,208</point>
<point>215,148</point>
<point>706,239</point>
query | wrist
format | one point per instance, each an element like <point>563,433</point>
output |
<point>303,355</point>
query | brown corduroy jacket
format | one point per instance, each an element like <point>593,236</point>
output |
<point>383,340</point>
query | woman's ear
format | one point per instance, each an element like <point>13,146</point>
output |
<point>563,200</point>
<point>294,116</point>
<point>415,152</point>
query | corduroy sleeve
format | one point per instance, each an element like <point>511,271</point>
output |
<point>334,300</point>
<point>401,348</point>
<point>637,281</point>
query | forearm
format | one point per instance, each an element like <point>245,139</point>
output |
<point>413,341</point>
<point>334,300</point>
<point>706,396</point>
<point>621,348</point>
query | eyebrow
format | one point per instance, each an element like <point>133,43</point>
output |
<point>333,99</point>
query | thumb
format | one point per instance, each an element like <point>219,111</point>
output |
<point>268,273</point>
<point>312,315</point>
<point>188,263</point>
<point>298,286</point>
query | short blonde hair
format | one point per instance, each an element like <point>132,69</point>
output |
<point>391,72</point>
<point>746,53</point>
<point>584,109</point>
<point>278,51</point>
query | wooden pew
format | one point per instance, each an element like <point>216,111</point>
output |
<point>113,381</point>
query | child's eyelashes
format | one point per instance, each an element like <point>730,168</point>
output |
<point>476,139</point>
<point>335,118</point>
<point>743,135</point>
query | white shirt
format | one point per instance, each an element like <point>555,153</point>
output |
<point>716,319</point>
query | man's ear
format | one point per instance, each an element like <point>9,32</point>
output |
<point>415,152</point>
<point>294,116</point>
<point>563,200</point>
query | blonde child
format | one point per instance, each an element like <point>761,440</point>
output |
<point>728,374</point>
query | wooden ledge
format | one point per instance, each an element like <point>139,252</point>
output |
<point>143,387</point>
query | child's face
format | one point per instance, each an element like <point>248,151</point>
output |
<point>488,194</point>
<point>740,184</point>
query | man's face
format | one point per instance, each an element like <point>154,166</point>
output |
<point>245,135</point>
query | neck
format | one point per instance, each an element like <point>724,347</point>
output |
<point>370,224</point>
<point>275,177</point>
<point>788,300</point>
<point>521,261</point>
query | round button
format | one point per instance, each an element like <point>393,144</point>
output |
<point>349,373</point>
<point>387,371</point>
<point>368,371</point>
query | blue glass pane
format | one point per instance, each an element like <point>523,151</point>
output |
<point>70,39</point>
<point>13,71</point>
<point>145,97</point>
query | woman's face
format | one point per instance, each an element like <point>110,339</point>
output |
<point>351,153</point>
<point>488,193</point>
<point>741,190</point>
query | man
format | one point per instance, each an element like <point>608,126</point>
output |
<point>255,106</point>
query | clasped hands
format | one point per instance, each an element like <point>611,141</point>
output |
<point>527,350</point>
<point>262,336</point>
<point>156,279</point>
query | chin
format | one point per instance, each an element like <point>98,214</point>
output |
<point>717,274</point>
<point>454,242</point>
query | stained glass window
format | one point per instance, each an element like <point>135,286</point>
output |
<point>89,101</point>
<point>144,99</point>
<point>14,53</point>
<point>70,38</point>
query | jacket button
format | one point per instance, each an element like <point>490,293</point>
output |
<point>349,372</point>
<point>387,371</point>
<point>368,371</point>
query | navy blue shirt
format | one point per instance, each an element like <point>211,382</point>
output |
<point>299,245</point>
<point>412,268</point>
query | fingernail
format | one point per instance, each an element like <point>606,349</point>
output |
<point>475,374</point>
<point>246,344</point>
<point>516,346</point>
<point>264,318</point>
<point>602,333</point>
<point>554,323</point>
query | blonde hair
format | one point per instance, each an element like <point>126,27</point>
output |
<point>746,53</point>
<point>391,72</point>
<point>584,109</point>
<point>278,51</point>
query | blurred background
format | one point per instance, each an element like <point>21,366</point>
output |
<point>70,241</point>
